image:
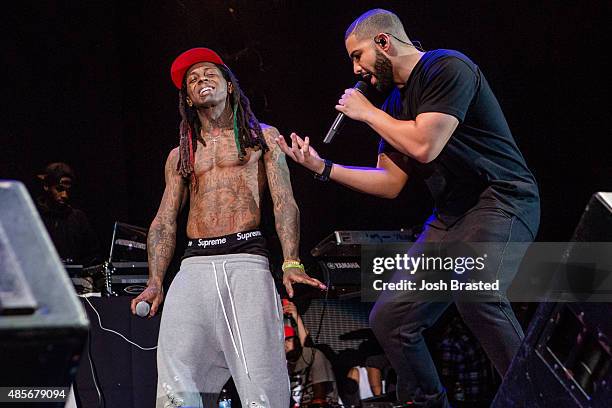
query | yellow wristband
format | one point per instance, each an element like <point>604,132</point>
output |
<point>292,264</point>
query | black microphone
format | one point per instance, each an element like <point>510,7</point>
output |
<point>361,86</point>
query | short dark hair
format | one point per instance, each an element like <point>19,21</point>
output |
<point>377,21</point>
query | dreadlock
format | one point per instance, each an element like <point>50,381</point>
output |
<point>247,130</point>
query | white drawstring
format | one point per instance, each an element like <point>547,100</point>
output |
<point>276,304</point>
<point>246,368</point>
<point>223,308</point>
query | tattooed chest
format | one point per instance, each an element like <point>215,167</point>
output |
<point>221,152</point>
<point>229,192</point>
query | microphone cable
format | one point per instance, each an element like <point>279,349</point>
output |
<point>94,375</point>
<point>92,366</point>
<point>327,282</point>
<point>116,332</point>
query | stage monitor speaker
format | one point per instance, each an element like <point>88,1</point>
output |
<point>565,358</point>
<point>595,225</point>
<point>43,326</point>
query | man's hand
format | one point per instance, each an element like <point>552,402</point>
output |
<point>297,275</point>
<point>354,105</point>
<point>301,152</point>
<point>154,294</point>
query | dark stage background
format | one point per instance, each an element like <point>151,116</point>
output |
<point>88,83</point>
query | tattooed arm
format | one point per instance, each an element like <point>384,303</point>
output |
<point>162,234</point>
<point>286,212</point>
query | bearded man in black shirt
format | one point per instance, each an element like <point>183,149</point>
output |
<point>442,123</point>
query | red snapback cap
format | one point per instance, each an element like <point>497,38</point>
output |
<point>289,331</point>
<point>182,63</point>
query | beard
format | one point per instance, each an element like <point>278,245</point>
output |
<point>383,70</point>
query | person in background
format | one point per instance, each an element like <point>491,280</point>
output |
<point>313,383</point>
<point>372,377</point>
<point>68,227</point>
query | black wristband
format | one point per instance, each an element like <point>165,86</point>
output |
<point>326,171</point>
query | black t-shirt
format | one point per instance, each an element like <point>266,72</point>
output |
<point>481,165</point>
<point>71,233</point>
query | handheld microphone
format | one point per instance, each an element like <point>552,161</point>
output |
<point>143,308</point>
<point>361,86</point>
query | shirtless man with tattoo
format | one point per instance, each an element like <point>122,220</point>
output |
<point>222,314</point>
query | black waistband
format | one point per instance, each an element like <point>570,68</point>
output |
<point>247,242</point>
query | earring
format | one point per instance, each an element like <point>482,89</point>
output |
<point>189,102</point>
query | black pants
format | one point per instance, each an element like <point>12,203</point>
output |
<point>398,325</point>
